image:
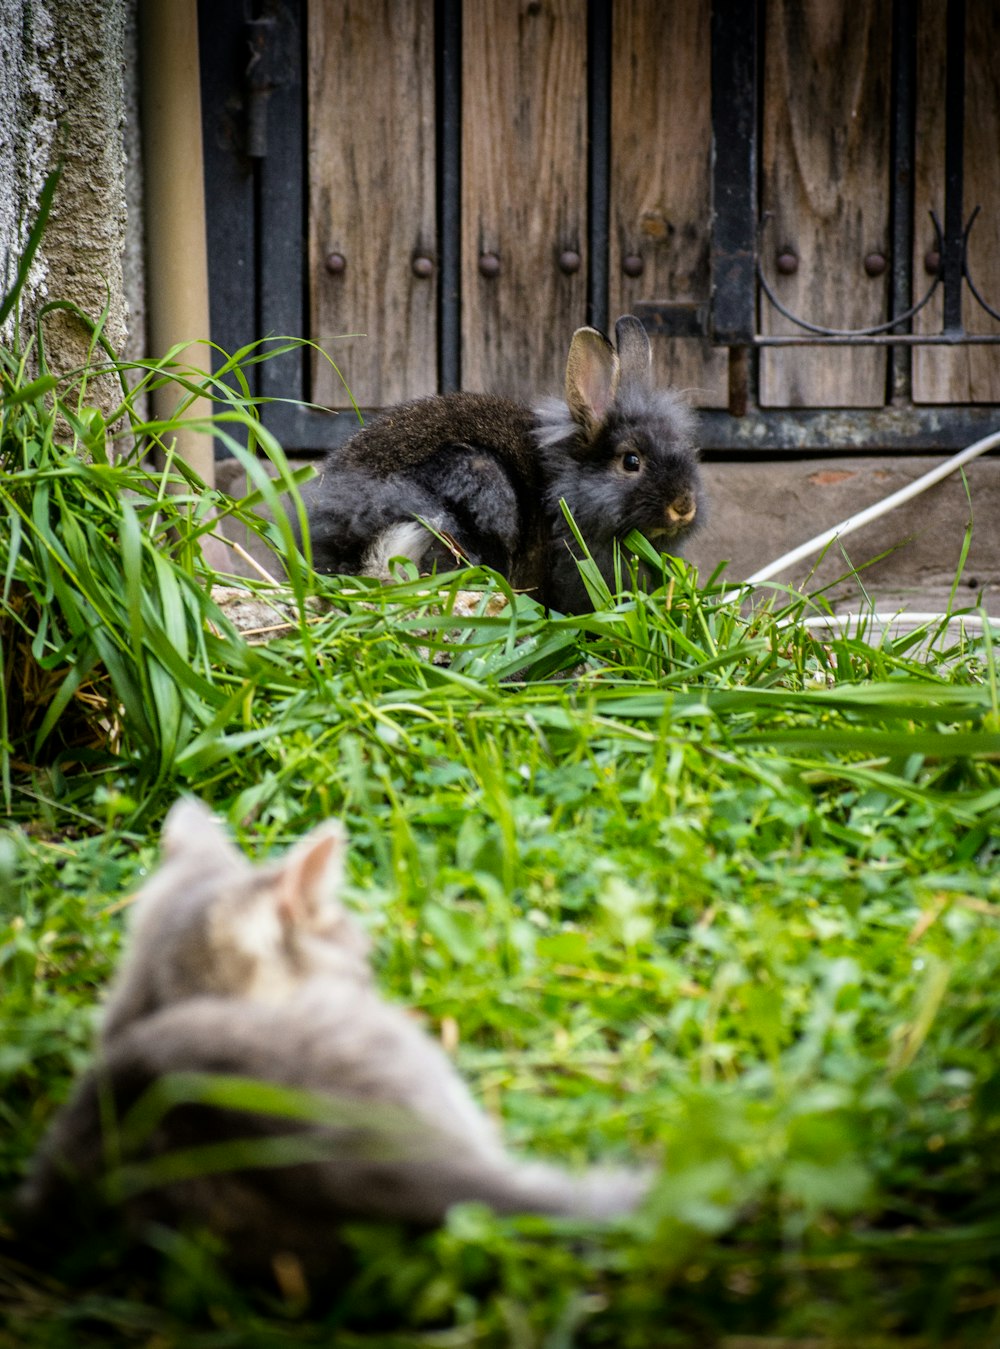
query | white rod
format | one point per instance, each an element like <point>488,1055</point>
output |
<point>870,513</point>
<point>915,620</point>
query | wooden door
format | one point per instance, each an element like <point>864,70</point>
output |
<point>524,190</point>
<point>448,188</point>
<point>959,374</point>
<point>825,241</point>
<point>372,204</point>
<point>825,172</point>
<point>525,198</point>
<point>660,186</point>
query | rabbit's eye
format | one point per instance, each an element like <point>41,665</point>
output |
<point>631,463</point>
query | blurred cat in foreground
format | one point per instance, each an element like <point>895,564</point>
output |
<point>259,972</point>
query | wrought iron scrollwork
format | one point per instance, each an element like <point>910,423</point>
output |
<point>993,313</point>
<point>878,329</point>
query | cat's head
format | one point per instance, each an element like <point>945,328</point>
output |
<point>209,922</point>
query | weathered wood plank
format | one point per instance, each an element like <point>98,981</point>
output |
<point>524,190</point>
<point>372,198</point>
<point>826,188</point>
<point>661,138</point>
<point>959,374</point>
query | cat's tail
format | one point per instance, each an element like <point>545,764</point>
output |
<point>598,1194</point>
<point>511,1187</point>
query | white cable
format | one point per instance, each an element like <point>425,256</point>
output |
<point>870,513</point>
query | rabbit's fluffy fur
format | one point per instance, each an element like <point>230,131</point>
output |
<point>486,475</point>
<point>260,972</point>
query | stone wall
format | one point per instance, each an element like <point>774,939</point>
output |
<point>909,558</point>
<point>62,100</point>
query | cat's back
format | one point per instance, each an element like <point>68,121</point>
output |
<point>332,1037</point>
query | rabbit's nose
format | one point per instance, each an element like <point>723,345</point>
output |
<point>681,511</point>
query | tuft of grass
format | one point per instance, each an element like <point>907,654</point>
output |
<point>683,879</point>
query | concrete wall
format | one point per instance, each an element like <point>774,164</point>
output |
<point>62,97</point>
<point>760,510</point>
<point>28,118</point>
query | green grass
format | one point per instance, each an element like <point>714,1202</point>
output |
<point>691,884</point>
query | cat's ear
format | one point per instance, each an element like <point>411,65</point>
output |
<point>190,827</point>
<point>311,875</point>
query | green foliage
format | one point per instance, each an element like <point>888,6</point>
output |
<point>693,884</point>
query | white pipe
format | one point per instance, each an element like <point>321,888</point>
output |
<point>903,616</point>
<point>870,513</point>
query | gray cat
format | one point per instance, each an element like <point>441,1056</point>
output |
<point>487,474</point>
<point>260,973</point>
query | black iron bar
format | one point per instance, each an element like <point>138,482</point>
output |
<point>599,37</point>
<point>302,429</point>
<point>283,253</point>
<point>738,390</point>
<point>734,171</point>
<point>904,74</point>
<point>449,196</point>
<point>844,431</point>
<point>230,207</point>
<point>958,338</point>
<point>954,131</point>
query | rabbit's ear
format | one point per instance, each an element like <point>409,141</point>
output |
<point>591,377</point>
<point>634,351</point>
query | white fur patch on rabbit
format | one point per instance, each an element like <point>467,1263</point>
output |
<point>407,539</point>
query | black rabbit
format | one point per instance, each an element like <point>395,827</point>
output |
<point>487,474</point>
